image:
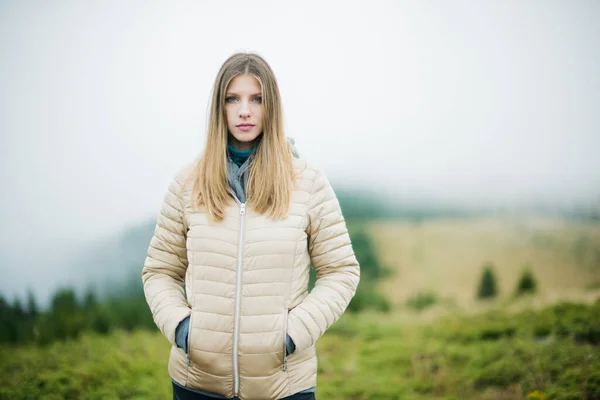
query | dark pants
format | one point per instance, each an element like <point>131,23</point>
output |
<point>183,394</point>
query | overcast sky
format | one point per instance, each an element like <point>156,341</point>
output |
<point>101,102</point>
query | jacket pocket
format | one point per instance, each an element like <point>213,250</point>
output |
<point>285,325</point>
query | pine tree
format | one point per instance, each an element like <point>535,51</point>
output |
<point>487,284</point>
<point>527,283</point>
<point>89,299</point>
<point>18,310</point>
<point>32,308</point>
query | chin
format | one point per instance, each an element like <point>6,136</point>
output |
<point>246,137</point>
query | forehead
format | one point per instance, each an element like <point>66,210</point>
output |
<point>244,83</point>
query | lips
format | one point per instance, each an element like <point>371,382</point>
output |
<point>245,127</point>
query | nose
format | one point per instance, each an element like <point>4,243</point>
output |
<point>244,111</point>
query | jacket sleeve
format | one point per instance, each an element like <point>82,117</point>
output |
<point>333,259</point>
<point>166,263</point>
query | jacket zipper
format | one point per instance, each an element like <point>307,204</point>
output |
<point>285,324</point>
<point>238,295</point>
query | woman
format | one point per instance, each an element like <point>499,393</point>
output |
<point>238,231</point>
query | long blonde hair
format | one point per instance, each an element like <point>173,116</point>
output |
<point>271,172</point>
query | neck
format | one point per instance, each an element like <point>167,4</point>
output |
<point>241,145</point>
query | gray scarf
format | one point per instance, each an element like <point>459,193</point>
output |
<point>238,176</point>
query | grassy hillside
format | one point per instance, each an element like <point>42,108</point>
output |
<point>445,256</point>
<point>550,354</point>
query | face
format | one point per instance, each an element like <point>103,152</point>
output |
<point>244,112</point>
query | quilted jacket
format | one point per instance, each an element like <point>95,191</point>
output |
<point>244,282</point>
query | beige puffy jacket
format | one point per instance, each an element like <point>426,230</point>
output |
<point>246,285</point>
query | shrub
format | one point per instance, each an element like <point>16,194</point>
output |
<point>496,331</point>
<point>421,301</point>
<point>501,373</point>
<point>487,285</point>
<point>541,330</point>
<point>482,330</point>
<point>527,283</point>
<point>578,321</point>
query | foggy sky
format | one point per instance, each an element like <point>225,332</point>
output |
<point>101,102</point>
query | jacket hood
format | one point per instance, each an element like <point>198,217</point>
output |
<point>293,148</point>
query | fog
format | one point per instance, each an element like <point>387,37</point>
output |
<point>460,103</point>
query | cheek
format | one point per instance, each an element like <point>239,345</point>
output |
<point>259,112</point>
<point>229,114</point>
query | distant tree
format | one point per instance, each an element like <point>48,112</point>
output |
<point>6,321</point>
<point>89,299</point>
<point>32,308</point>
<point>527,283</point>
<point>64,301</point>
<point>370,267</point>
<point>18,310</point>
<point>65,319</point>
<point>487,284</point>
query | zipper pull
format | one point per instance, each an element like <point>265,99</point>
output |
<point>243,209</point>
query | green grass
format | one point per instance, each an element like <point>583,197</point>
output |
<point>118,366</point>
<point>549,354</point>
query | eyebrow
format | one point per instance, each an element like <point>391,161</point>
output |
<point>235,94</point>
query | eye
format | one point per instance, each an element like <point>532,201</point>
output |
<point>230,99</point>
<point>257,99</point>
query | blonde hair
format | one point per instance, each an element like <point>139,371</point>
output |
<point>271,172</point>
